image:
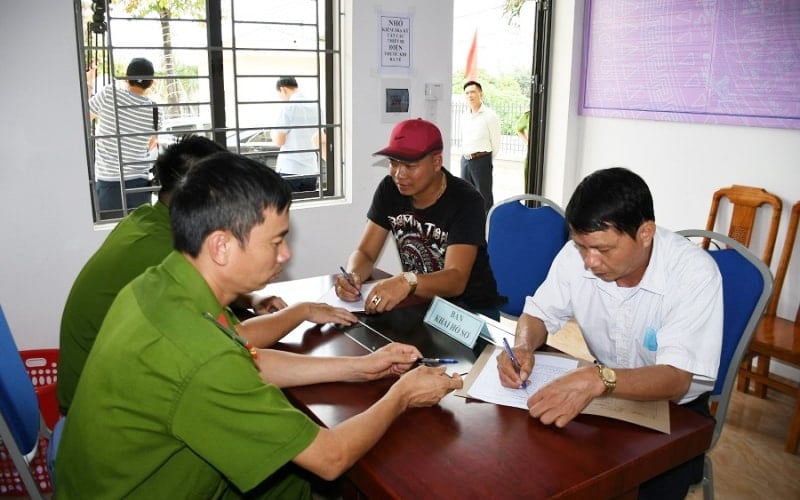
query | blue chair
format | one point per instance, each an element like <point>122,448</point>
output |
<point>522,243</point>
<point>746,288</point>
<point>20,420</point>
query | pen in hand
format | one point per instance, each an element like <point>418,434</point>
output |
<point>437,361</point>
<point>349,279</point>
<point>514,361</point>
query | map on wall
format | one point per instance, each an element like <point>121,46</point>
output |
<point>706,61</point>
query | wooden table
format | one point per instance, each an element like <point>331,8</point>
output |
<point>469,449</point>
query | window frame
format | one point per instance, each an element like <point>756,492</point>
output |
<point>326,51</point>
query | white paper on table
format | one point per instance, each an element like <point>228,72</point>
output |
<point>332,299</point>
<point>487,387</point>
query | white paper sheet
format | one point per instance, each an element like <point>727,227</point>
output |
<point>332,299</point>
<point>487,387</point>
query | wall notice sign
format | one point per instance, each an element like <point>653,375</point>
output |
<point>395,41</point>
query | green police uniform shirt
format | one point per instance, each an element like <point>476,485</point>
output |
<point>171,406</point>
<point>140,240</point>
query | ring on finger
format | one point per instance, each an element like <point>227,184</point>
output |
<point>376,300</point>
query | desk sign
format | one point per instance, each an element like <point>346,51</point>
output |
<point>455,322</point>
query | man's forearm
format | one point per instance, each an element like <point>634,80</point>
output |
<point>286,369</point>
<point>336,450</point>
<point>444,283</point>
<point>360,264</point>
<point>265,330</point>
<point>531,332</point>
<point>648,383</point>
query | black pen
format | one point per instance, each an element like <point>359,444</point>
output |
<point>437,361</point>
<point>349,279</point>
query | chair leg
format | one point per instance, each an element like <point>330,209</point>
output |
<point>794,427</point>
<point>708,479</point>
<point>760,389</point>
<point>743,384</point>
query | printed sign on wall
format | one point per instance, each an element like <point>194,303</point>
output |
<point>395,34</point>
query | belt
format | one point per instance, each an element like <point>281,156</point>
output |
<point>477,154</point>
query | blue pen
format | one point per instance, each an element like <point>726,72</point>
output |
<point>349,278</point>
<point>437,361</point>
<point>514,361</point>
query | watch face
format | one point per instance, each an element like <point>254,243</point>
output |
<point>410,277</point>
<point>609,374</point>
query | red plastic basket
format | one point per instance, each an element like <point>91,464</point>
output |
<point>11,482</point>
<point>42,366</point>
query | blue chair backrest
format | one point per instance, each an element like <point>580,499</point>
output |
<point>18,403</point>
<point>522,243</point>
<point>742,285</point>
<point>746,288</point>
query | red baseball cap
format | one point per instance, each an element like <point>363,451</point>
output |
<point>412,140</point>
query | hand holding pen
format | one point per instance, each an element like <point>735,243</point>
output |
<point>351,286</point>
<point>514,362</point>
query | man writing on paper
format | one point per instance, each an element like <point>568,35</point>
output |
<point>173,403</point>
<point>438,222</point>
<point>648,301</point>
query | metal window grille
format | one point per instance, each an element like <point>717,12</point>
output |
<point>216,67</point>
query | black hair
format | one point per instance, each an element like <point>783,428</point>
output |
<point>142,84</point>
<point>224,191</point>
<point>172,164</point>
<point>140,72</point>
<point>286,81</point>
<point>473,82</point>
<point>611,198</point>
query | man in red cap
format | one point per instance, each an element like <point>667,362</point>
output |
<point>438,223</point>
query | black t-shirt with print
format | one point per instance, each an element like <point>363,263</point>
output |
<point>422,235</point>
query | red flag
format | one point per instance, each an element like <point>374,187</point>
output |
<point>471,73</point>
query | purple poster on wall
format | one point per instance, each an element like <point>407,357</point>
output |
<point>706,61</point>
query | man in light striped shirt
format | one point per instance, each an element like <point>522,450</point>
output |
<point>126,123</point>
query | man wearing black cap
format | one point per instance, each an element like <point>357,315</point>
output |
<point>438,224</point>
<point>130,114</point>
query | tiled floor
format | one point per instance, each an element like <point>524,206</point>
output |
<point>749,461</point>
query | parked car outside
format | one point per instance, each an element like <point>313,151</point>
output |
<point>256,143</point>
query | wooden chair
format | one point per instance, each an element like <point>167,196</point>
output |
<point>777,338</point>
<point>746,201</point>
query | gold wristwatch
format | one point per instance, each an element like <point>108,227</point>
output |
<point>411,279</point>
<point>608,376</point>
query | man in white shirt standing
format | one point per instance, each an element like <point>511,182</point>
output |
<point>480,142</point>
<point>297,157</point>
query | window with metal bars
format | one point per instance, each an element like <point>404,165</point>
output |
<point>261,77</point>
